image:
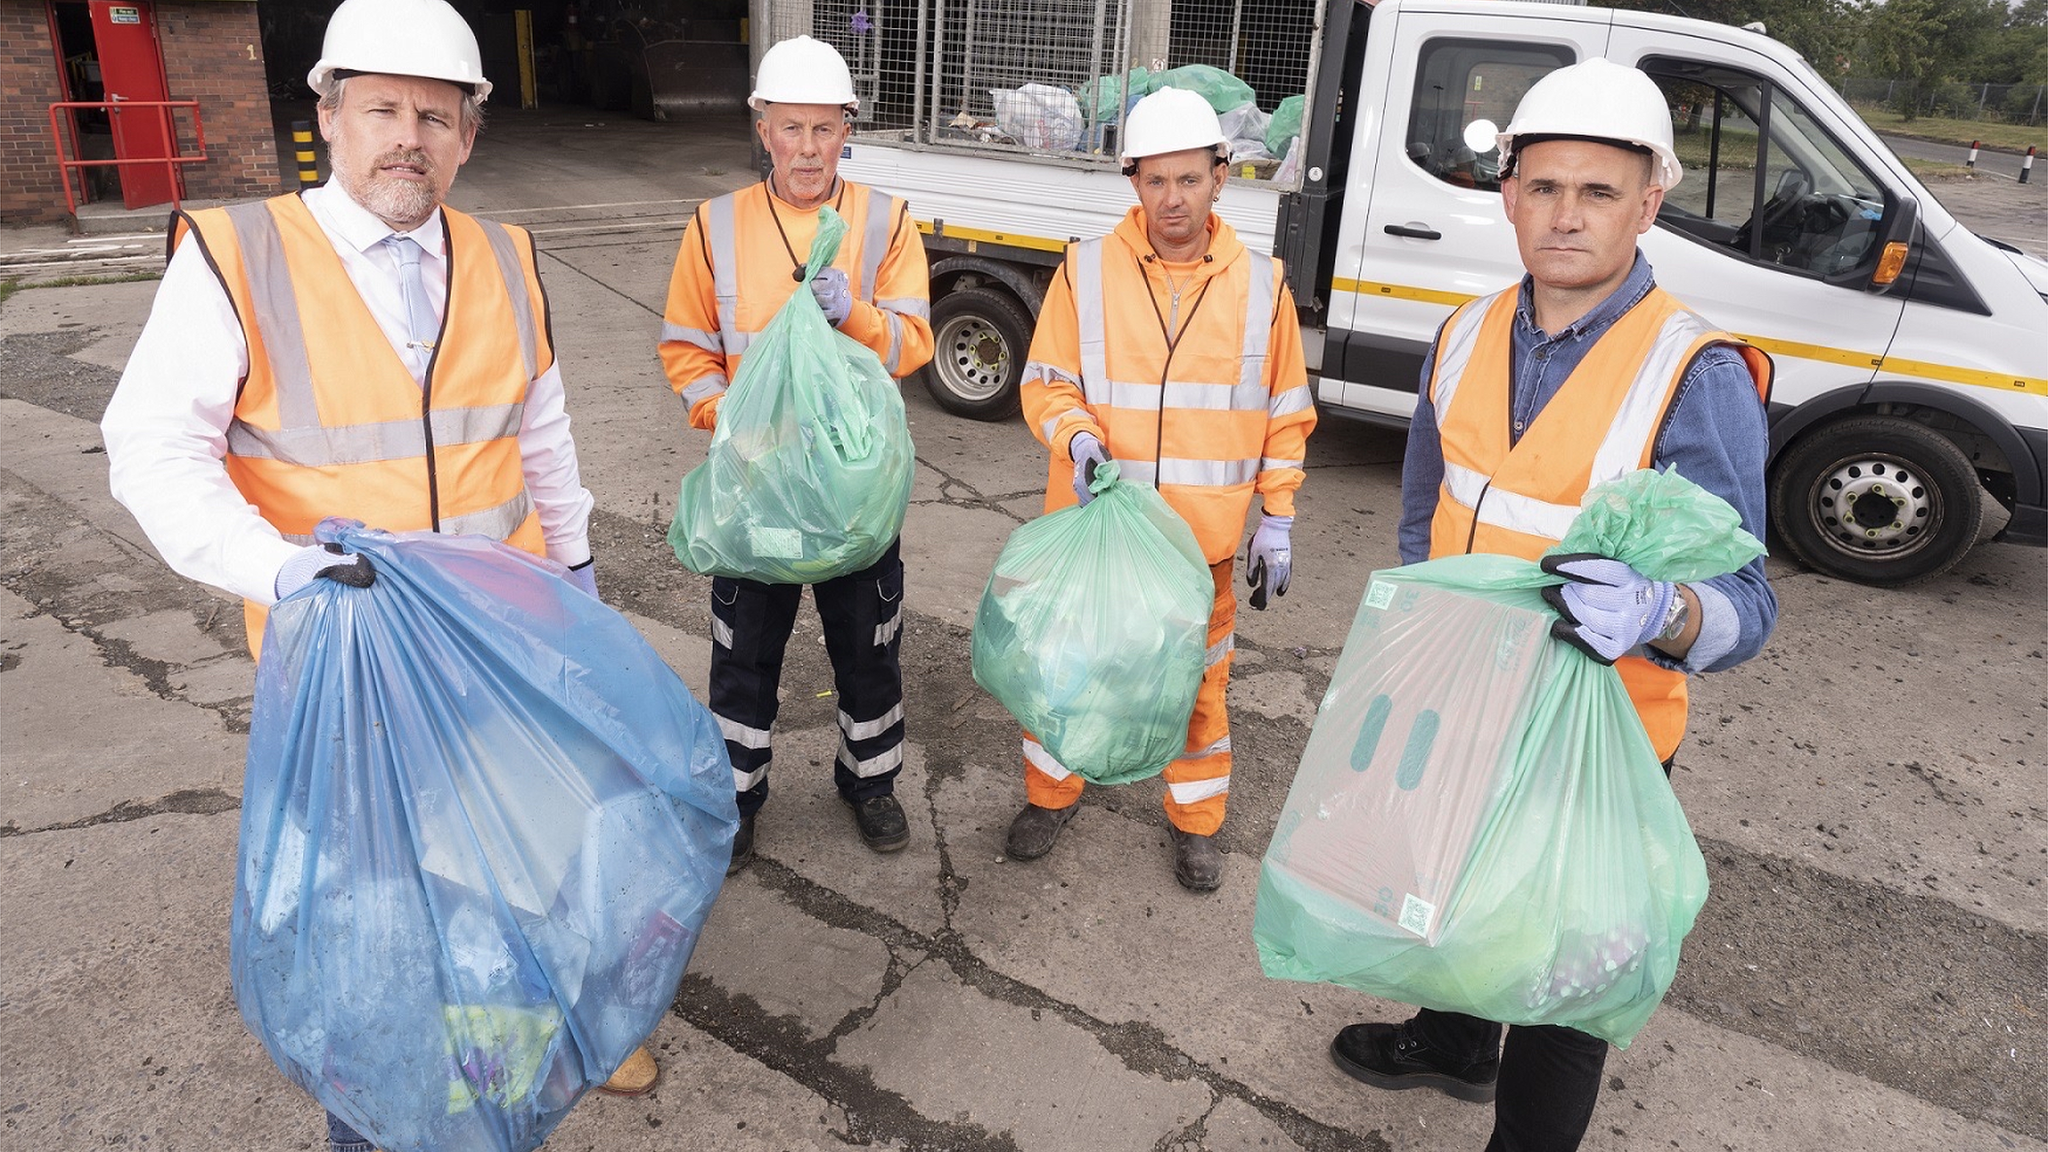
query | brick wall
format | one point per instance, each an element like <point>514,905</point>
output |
<point>213,53</point>
<point>30,190</point>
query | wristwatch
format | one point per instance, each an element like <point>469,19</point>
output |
<point>1674,620</point>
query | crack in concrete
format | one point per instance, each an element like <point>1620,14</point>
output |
<point>1141,1047</point>
<point>948,481</point>
<point>873,1114</point>
<point>185,802</point>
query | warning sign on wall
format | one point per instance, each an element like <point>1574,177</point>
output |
<point>119,15</point>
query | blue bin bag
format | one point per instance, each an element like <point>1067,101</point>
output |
<point>482,824</point>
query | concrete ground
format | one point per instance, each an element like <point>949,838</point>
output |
<point>1868,975</point>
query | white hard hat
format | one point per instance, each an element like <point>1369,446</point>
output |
<point>1169,120</point>
<point>1597,99</point>
<point>803,71</point>
<point>400,38</point>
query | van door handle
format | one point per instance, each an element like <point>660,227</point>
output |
<point>1413,232</point>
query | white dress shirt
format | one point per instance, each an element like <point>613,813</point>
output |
<point>166,427</point>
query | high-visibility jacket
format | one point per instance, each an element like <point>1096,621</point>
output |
<point>1208,418</point>
<point>1518,499</point>
<point>734,271</point>
<point>329,421</point>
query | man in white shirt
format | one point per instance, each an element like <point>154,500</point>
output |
<point>354,350</point>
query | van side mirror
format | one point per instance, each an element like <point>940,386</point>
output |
<point>1885,250</point>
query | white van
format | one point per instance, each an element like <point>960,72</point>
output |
<point>1912,355</point>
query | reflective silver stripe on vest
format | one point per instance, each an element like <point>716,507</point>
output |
<point>1087,265</point>
<point>1454,348</point>
<point>1287,403</point>
<point>895,355</point>
<point>907,305</point>
<point>1258,326</point>
<point>725,275</point>
<point>1642,410</point>
<point>504,248</point>
<point>1219,650</point>
<point>1040,370</point>
<point>497,523</point>
<point>277,312</point>
<point>677,334</point>
<point>1268,463</point>
<point>1504,509</point>
<point>369,443</point>
<point>874,243</point>
<point>704,388</point>
<point>1204,473</point>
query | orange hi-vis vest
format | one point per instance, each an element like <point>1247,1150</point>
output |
<point>749,249</point>
<point>1518,499</point>
<point>329,422</point>
<point>1190,420</point>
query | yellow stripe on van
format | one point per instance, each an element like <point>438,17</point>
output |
<point>1975,377</point>
<point>977,236</point>
<point>1401,292</point>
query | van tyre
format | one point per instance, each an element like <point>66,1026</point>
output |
<point>1876,500</point>
<point>980,339</point>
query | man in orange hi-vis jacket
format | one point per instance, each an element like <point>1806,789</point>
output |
<point>1171,347</point>
<point>733,272</point>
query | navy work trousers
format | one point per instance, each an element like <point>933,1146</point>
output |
<point>863,620</point>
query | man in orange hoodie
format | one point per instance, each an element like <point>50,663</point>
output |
<point>1173,348</point>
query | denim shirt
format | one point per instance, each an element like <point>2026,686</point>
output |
<point>1715,434</point>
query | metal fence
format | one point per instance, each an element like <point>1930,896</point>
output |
<point>1997,103</point>
<point>1054,75</point>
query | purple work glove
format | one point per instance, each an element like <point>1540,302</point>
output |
<point>1269,559</point>
<point>316,561</point>
<point>1608,609</point>
<point>1087,452</point>
<point>584,576</point>
<point>835,295</point>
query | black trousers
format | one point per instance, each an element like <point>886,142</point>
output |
<point>863,619</point>
<point>1549,1077</point>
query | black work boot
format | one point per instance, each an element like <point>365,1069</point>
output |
<point>1396,1056</point>
<point>1197,862</point>
<point>1036,830</point>
<point>742,845</point>
<point>883,827</point>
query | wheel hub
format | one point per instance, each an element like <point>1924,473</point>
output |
<point>1875,505</point>
<point>973,358</point>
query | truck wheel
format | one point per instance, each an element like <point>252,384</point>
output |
<point>980,339</point>
<point>1876,500</point>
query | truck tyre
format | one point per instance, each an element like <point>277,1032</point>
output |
<point>980,339</point>
<point>1876,500</point>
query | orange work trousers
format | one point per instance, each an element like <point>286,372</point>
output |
<point>1198,783</point>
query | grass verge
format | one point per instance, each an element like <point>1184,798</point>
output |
<point>2007,137</point>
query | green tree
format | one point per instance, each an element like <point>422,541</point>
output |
<point>1930,42</point>
<point>1824,31</point>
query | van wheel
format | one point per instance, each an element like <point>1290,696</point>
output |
<point>979,341</point>
<point>1876,500</point>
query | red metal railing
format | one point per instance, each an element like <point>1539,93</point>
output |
<point>166,110</point>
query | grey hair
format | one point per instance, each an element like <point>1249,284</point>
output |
<point>472,108</point>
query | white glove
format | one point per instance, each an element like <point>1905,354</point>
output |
<point>835,295</point>
<point>1608,608</point>
<point>323,560</point>
<point>1269,559</point>
<point>584,576</point>
<point>1087,452</point>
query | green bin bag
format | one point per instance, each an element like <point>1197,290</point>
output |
<point>1094,631</point>
<point>808,474</point>
<point>1284,126</point>
<point>1107,96</point>
<point>1222,90</point>
<point>1479,823</point>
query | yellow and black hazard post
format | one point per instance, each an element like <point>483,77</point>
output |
<point>302,147</point>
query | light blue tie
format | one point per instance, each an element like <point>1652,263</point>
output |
<point>419,313</point>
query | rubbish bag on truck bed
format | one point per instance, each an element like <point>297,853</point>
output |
<point>482,824</point>
<point>1094,631</point>
<point>1479,823</point>
<point>808,473</point>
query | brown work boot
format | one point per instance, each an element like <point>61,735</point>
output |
<point>636,1077</point>
<point>1197,862</point>
<point>1036,830</point>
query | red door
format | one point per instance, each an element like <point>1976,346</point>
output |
<point>132,68</point>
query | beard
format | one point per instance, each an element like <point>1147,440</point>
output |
<point>396,202</point>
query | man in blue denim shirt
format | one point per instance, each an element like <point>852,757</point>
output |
<point>1585,166</point>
